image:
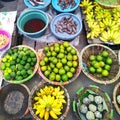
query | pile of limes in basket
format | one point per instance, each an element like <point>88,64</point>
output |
<point>18,63</point>
<point>60,62</point>
<point>100,63</point>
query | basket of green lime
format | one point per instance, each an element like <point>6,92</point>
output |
<point>59,63</point>
<point>19,64</point>
<point>100,63</point>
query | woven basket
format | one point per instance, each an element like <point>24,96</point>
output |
<point>42,85</point>
<point>41,55</point>
<point>96,49</point>
<point>35,67</point>
<point>115,93</point>
<point>108,115</point>
<point>10,100</point>
<point>109,3</point>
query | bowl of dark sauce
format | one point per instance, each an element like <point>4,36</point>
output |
<point>33,23</point>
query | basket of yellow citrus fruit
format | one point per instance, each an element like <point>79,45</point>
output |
<point>48,102</point>
<point>19,64</point>
<point>100,63</point>
<point>59,63</point>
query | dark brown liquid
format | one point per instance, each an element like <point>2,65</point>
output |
<point>34,25</point>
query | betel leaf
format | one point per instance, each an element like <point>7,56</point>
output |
<point>82,116</point>
<point>85,94</point>
<point>105,107</point>
<point>91,92</point>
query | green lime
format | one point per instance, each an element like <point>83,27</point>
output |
<point>102,64</point>
<point>99,58</point>
<point>12,62</point>
<point>19,78</point>
<point>62,46</point>
<point>75,57</point>
<point>75,63</point>
<point>44,68</point>
<point>107,67</point>
<point>66,68</point>
<point>64,60</point>
<point>45,59</point>
<point>46,48</point>
<point>69,49</point>
<point>105,54</point>
<point>93,62</point>
<point>69,57</point>
<point>64,77</point>
<point>59,65</point>
<point>4,59</point>
<point>20,56</point>
<point>27,66</point>
<point>52,65</point>
<point>3,67</point>
<point>56,45</point>
<point>99,70</point>
<point>92,70</point>
<point>105,73</point>
<point>73,51</point>
<point>34,59</point>
<point>52,76</point>
<point>51,48</point>
<point>70,63</point>
<point>96,65</point>
<point>60,55</point>
<point>10,52</point>
<point>54,53</point>
<point>18,73</point>
<point>57,49</point>
<point>47,73</point>
<point>23,72</point>
<point>7,64</point>
<point>69,74</point>
<point>66,44</point>
<point>7,77</point>
<point>24,58</point>
<point>29,60</point>
<point>109,61</point>
<point>13,67</point>
<point>58,77</point>
<point>62,50</point>
<point>92,57</point>
<point>55,70</point>
<point>20,67</point>
<point>54,60</point>
<point>22,62</point>
<point>14,57</point>
<point>30,71</point>
<point>61,71</point>
<point>48,54</point>
<point>12,74</point>
<point>32,54</point>
<point>72,69</point>
<point>42,63</point>
<point>49,68</point>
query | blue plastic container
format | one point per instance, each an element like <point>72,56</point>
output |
<point>69,9</point>
<point>41,7</point>
<point>64,35</point>
<point>32,14</point>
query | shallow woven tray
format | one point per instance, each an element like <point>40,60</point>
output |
<point>115,93</point>
<point>35,67</point>
<point>6,94</point>
<point>37,88</point>
<point>109,3</point>
<point>41,55</point>
<point>97,90</point>
<point>96,49</point>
